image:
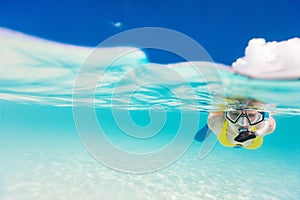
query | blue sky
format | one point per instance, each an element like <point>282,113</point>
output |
<point>223,28</point>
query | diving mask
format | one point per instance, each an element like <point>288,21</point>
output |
<point>253,116</point>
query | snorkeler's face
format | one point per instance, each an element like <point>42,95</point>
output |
<point>243,125</point>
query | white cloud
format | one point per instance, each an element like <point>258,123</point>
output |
<point>272,60</point>
<point>116,24</point>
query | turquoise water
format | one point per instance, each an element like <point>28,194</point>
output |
<point>43,158</point>
<point>46,154</point>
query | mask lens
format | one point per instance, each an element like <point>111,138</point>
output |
<point>233,115</point>
<point>254,116</point>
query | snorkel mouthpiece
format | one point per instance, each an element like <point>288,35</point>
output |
<point>244,135</point>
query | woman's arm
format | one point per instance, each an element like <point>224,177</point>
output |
<point>267,127</point>
<point>272,126</point>
<point>215,121</point>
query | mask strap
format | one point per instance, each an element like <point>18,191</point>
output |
<point>266,115</point>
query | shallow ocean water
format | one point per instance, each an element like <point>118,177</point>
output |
<point>43,158</point>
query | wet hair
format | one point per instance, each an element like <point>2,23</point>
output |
<point>244,103</point>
